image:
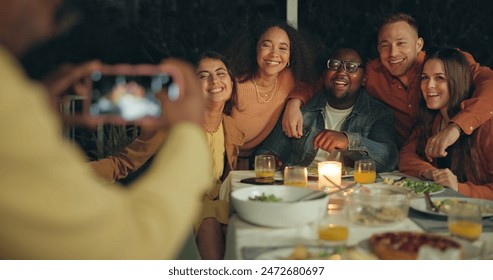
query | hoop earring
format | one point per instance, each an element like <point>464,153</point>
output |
<point>288,64</point>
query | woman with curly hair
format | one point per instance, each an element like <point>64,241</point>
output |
<point>272,64</point>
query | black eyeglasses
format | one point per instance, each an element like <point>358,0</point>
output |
<point>349,66</point>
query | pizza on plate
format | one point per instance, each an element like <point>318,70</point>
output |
<point>406,245</point>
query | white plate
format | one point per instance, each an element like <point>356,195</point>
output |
<point>470,252</point>
<point>284,253</point>
<point>419,204</point>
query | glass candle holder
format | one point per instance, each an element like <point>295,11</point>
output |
<point>329,175</point>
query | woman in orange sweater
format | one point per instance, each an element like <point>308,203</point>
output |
<point>272,64</point>
<point>446,81</point>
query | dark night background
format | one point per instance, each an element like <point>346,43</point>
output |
<point>146,31</point>
<point>138,31</point>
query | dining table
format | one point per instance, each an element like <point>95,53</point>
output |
<point>247,241</point>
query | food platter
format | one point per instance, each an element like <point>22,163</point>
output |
<point>470,252</point>
<point>314,252</point>
<point>416,186</point>
<point>419,204</point>
<point>305,253</point>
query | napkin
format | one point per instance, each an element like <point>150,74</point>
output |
<point>349,253</point>
<point>429,253</point>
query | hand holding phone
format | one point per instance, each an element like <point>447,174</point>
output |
<point>118,94</point>
<point>128,97</point>
<point>145,95</point>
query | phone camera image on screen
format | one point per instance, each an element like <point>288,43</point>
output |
<point>130,97</point>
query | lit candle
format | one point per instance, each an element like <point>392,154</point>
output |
<point>329,175</point>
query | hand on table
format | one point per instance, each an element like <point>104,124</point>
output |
<point>446,178</point>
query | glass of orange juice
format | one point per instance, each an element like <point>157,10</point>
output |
<point>333,228</point>
<point>365,171</point>
<point>295,176</point>
<point>265,167</point>
<point>465,221</point>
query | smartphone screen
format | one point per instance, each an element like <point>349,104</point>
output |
<point>129,97</point>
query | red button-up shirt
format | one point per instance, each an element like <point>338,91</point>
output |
<point>404,101</point>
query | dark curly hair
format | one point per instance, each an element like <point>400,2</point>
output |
<point>243,52</point>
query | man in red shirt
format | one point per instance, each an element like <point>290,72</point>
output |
<point>394,79</point>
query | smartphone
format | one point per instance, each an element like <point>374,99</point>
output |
<point>119,94</point>
<point>129,97</point>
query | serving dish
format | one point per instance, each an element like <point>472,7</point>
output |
<point>284,212</point>
<point>419,204</point>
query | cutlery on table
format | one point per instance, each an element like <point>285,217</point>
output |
<point>319,194</point>
<point>429,203</point>
<point>310,196</point>
<point>339,187</point>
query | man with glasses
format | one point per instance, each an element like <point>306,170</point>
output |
<point>340,120</point>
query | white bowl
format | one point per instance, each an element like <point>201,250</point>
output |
<point>278,214</point>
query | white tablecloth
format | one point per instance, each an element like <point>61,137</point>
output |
<point>242,234</point>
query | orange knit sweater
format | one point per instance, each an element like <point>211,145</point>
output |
<point>256,118</point>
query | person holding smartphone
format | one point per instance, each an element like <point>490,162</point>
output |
<point>53,205</point>
<point>224,139</point>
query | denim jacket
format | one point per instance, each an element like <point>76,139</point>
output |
<point>369,128</point>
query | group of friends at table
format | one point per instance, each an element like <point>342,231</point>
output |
<point>427,114</point>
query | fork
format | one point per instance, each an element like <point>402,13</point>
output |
<point>429,203</point>
<point>339,187</point>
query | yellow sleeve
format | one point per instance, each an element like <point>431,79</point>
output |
<point>131,158</point>
<point>53,206</point>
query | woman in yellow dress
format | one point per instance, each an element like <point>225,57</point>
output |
<point>219,88</point>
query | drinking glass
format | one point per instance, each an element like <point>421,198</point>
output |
<point>295,176</point>
<point>365,171</point>
<point>265,167</point>
<point>333,228</point>
<point>465,221</point>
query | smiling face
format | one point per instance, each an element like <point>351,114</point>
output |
<point>273,51</point>
<point>341,85</point>
<point>398,46</point>
<point>216,82</point>
<point>434,85</point>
